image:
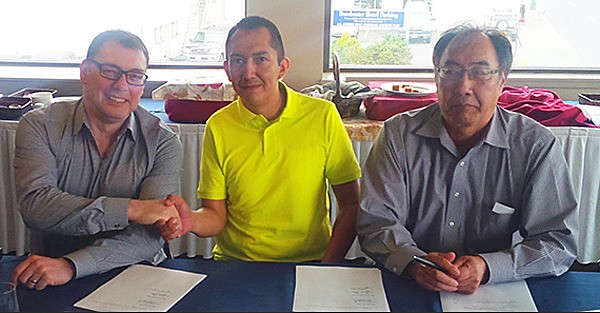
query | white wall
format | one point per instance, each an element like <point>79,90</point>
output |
<point>301,26</point>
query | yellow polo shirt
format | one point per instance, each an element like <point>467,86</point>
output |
<point>274,177</point>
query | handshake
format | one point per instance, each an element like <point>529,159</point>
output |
<point>172,216</point>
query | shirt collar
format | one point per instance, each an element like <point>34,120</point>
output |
<point>497,134</point>
<point>292,105</point>
<point>432,125</point>
<point>291,110</point>
<point>80,120</point>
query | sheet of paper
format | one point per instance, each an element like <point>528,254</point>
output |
<point>141,288</point>
<point>504,297</point>
<point>337,289</point>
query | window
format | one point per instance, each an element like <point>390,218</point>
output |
<point>43,41</point>
<point>61,30</point>
<point>554,35</point>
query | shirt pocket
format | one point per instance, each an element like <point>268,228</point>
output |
<point>493,227</point>
<point>500,208</point>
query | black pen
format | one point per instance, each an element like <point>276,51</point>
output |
<point>430,264</point>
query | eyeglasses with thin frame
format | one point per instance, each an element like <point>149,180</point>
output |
<point>133,77</point>
<point>476,73</point>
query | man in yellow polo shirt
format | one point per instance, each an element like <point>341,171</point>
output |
<point>266,161</point>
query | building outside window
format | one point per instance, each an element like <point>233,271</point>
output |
<point>546,34</point>
<point>61,30</point>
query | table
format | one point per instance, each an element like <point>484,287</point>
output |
<point>581,147</point>
<point>263,286</point>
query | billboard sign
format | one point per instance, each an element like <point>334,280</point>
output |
<point>368,18</point>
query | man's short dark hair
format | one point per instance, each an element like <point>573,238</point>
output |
<point>501,44</point>
<point>254,22</point>
<point>124,38</point>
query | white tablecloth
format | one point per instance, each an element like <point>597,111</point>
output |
<point>582,151</point>
<point>581,147</point>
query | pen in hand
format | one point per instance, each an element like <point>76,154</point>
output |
<point>429,264</point>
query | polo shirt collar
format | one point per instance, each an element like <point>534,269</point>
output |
<point>250,119</point>
<point>292,105</point>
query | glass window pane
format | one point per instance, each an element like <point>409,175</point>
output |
<point>61,30</point>
<point>555,34</point>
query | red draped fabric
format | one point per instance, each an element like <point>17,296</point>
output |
<point>544,106</point>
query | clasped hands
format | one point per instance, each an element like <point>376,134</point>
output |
<point>463,275</point>
<point>171,215</point>
<point>178,224</point>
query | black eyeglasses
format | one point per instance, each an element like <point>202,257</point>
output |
<point>112,72</point>
<point>477,73</point>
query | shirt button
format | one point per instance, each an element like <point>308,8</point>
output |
<point>451,224</point>
<point>456,194</point>
<point>394,269</point>
<point>462,163</point>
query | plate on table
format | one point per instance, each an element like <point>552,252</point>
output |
<point>409,89</point>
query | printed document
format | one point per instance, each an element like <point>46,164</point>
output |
<point>141,288</point>
<point>503,297</point>
<point>338,289</point>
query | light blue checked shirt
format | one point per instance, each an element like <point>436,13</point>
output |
<point>419,196</point>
